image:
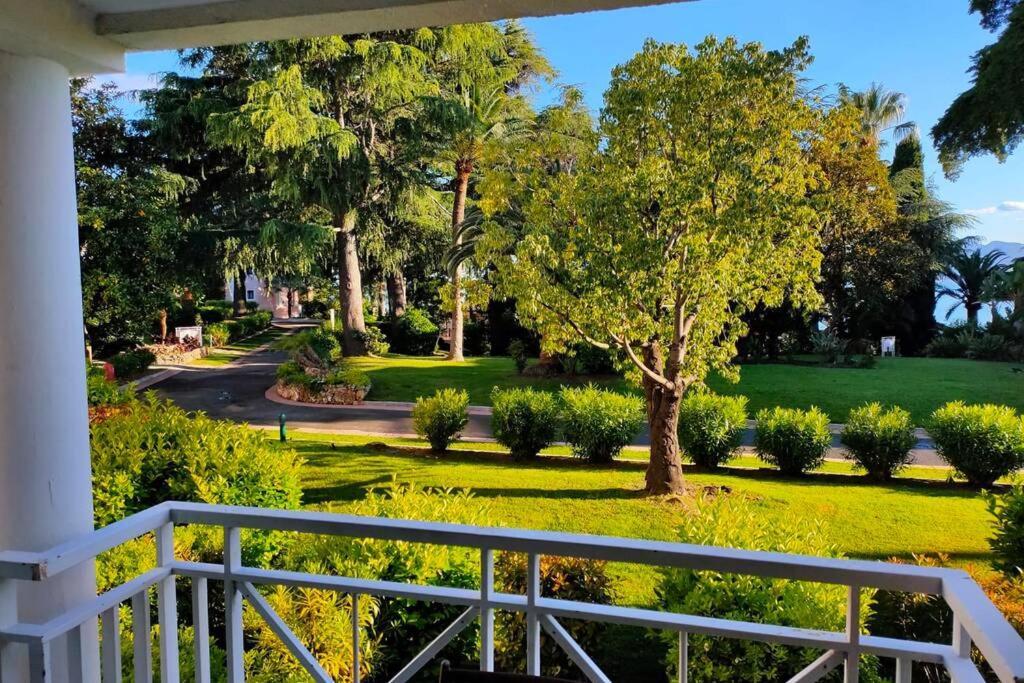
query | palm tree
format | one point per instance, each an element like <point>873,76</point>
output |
<point>485,116</point>
<point>1008,285</point>
<point>881,110</point>
<point>970,273</point>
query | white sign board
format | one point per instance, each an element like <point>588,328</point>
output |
<point>889,346</point>
<point>183,333</point>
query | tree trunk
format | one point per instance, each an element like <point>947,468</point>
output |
<point>458,215</point>
<point>290,292</point>
<point>238,295</point>
<point>972,313</point>
<point>382,297</point>
<point>162,317</point>
<point>350,287</point>
<point>396,294</point>
<point>664,470</point>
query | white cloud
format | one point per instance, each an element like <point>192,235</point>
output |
<point>1011,206</point>
<point>986,211</point>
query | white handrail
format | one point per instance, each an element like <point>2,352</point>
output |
<point>978,621</point>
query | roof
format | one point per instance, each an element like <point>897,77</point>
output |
<point>91,36</point>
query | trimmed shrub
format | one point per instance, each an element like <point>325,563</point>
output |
<point>474,339</point>
<point>734,523</point>
<point>980,442</point>
<point>102,392</point>
<point>131,364</point>
<point>599,424</point>
<point>517,349</point>
<point>946,347</point>
<point>252,306</point>
<point>711,427</point>
<point>564,578</point>
<point>374,340</point>
<point>524,421</point>
<point>441,418</point>
<point>831,348</point>
<point>153,451</point>
<point>986,347</point>
<point>793,440</point>
<point>414,334</point>
<point>1008,538</point>
<point>879,440</point>
<point>317,310</point>
<point>217,334</point>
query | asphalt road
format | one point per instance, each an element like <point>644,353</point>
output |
<point>237,392</point>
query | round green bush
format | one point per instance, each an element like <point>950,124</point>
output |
<point>599,424</point>
<point>524,421</point>
<point>879,440</point>
<point>413,334</point>
<point>711,427</point>
<point>795,441</point>
<point>980,442</point>
<point>131,364</point>
<point>1008,539</point>
<point>441,418</point>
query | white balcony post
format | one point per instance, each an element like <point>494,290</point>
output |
<point>851,671</point>
<point>532,618</point>
<point>486,611</point>
<point>45,486</point>
<point>233,606</point>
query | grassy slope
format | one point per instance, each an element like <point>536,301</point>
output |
<point>863,519</point>
<point>918,384</point>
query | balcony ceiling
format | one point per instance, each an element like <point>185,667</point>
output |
<point>92,35</point>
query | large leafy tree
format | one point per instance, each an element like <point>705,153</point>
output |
<point>134,249</point>
<point>328,123</point>
<point>692,209</point>
<point>988,118</point>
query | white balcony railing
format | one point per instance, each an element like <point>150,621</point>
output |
<point>976,620</point>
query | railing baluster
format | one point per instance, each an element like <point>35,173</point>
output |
<point>684,656</point>
<point>201,628</point>
<point>142,658</point>
<point>110,647</point>
<point>961,639</point>
<point>167,607</point>
<point>904,670</point>
<point>851,671</point>
<point>486,612</point>
<point>532,620</point>
<point>75,653</point>
<point>355,638</point>
<point>233,605</point>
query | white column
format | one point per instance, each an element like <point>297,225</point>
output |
<point>45,487</point>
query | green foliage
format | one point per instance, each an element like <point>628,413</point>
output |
<point>401,628</point>
<point>711,427</point>
<point>1008,535</point>
<point>153,451</point>
<point>441,418</point>
<point>879,440</point>
<point>347,375</point>
<point>564,578</point>
<point>317,310</point>
<point>290,372</point>
<point>248,325</point>
<point>980,442</point>
<point>946,347</point>
<point>524,421</point>
<point>517,349</point>
<point>598,424</point>
<point>103,392</point>
<point>987,347</point>
<point>131,364</point>
<point>413,334</point>
<point>737,524</point>
<point>831,348</point>
<point>793,440</point>
<point>218,334</point>
<point>374,340</point>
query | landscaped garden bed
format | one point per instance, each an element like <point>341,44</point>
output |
<point>317,373</point>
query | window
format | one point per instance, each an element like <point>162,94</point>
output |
<point>250,295</point>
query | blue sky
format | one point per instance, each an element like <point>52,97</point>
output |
<point>918,47</point>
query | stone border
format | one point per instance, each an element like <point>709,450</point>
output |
<point>272,394</point>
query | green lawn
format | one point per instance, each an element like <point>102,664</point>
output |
<point>864,520</point>
<point>918,384</point>
<point>227,354</point>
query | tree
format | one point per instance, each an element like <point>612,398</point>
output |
<point>327,117</point>
<point>860,247</point>
<point>988,118</point>
<point>691,210</point>
<point>970,273</point>
<point>480,106</point>
<point>134,249</point>
<point>880,110</point>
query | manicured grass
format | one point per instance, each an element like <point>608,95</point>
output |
<point>864,520</point>
<point>918,384</point>
<point>226,354</point>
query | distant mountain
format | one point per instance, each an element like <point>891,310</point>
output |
<point>1013,250</point>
